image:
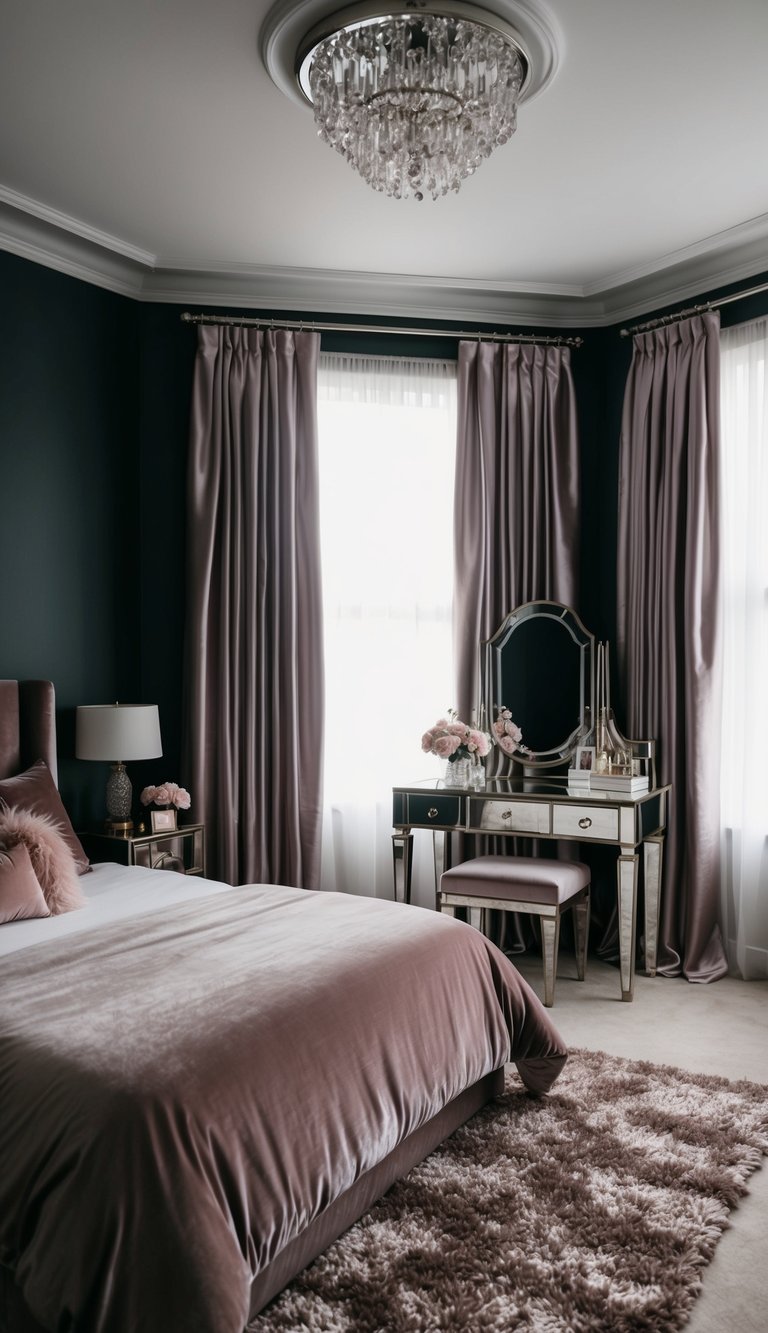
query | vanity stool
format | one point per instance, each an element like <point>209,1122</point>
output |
<point>531,884</point>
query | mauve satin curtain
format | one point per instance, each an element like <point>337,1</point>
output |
<point>669,617</point>
<point>254,654</point>
<point>517,492</point>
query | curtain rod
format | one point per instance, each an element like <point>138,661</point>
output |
<point>692,310</point>
<point>312,326</point>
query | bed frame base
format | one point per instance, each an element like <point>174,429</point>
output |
<point>351,1205</point>
<point>337,1218</point>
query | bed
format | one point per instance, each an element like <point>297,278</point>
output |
<point>202,1086</point>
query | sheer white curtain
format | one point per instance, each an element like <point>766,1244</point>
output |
<point>744,398</point>
<point>387,436</point>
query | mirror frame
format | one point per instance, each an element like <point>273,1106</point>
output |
<point>491,673</point>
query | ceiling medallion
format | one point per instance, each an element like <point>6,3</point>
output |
<point>414,98</point>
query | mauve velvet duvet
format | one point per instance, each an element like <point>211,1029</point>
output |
<point>182,1093</point>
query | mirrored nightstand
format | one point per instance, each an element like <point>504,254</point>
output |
<point>181,849</point>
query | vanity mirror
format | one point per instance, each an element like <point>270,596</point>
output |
<point>540,664</point>
<point>544,666</point>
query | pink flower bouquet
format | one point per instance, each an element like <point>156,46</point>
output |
<point>452,739</point>
<point>168,793</point>
<point>506,733</point>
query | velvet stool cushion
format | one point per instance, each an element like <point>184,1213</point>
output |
<point>531,884</point>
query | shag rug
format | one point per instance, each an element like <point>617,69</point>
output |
<point>591,1210</point>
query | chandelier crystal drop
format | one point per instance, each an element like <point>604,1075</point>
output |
<point>415,102</point>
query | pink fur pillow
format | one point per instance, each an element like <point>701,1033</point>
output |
<point>36,791</point>
<point>20,894</point>
<point>51,859</point>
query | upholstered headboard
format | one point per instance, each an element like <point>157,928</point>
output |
<point>27,726</point>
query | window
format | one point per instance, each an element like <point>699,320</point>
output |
<point>744,767</point>
<point>387,430</point>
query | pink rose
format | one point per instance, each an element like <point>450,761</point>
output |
<point>168,793</point>
<point>507,731</point>
<point>479,741</point>
<point>445,746</point>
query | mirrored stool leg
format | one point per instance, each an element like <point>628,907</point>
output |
<point>550,938</point>
<point>581,933</point>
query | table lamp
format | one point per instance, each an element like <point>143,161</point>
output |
<point>106,731</point>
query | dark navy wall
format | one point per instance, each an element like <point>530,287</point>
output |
<point>69,489</point>
<point>164,390</point>
<point>94,414</point>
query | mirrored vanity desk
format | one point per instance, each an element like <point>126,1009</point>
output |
<point>545,808</point>
<point>542,664</point>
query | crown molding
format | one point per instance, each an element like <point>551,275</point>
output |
<point>50,238</point>
<point>74,227</point>
<point>56,241</point>
<point>367,294</point>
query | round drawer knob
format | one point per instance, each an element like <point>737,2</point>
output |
<point>586,822</point>
<point>432,812</point>
<point>506,814</point>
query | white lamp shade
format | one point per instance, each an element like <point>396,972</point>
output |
<point>118,732</point>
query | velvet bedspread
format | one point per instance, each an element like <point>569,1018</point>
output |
<point>180,1095</point>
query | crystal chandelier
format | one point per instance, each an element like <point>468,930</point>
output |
<point>414,99</point>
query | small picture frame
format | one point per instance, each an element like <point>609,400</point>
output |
<point>585,758</point>
<point>163,821</point>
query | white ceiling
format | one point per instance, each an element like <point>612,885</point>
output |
<point>144,146</point>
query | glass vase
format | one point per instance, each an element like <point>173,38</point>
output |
<point>458,773</point>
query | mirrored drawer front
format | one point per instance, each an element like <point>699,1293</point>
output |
<point>585,821</point>
<point>508,816</point>
<point>435,809</point>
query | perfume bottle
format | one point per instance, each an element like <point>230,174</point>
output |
<point>603,750</point>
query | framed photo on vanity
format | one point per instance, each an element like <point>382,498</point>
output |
<point>585,758</point>
<point>163,821</point>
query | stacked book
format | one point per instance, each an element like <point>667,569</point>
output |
<point>618,782</point>
<point>585,780</point>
